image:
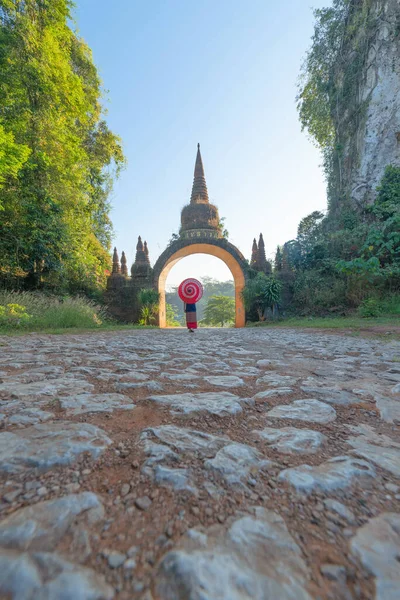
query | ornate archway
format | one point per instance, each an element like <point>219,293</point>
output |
<point>200,233</point>
<point>201,244</point>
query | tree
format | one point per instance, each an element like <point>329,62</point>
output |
<point>58,158</point>
<point>149,301</point>
<point>219,311</point>
<point>171,316</point>
<point>260,293</point>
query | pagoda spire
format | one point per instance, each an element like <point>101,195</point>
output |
<point>199,190</point>
<point>115,266</point>
<point>124,268</point>
<point>146,251</point>
<point>261,258</point>
<point>254,254</point>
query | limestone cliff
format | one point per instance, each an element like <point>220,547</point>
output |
<point>368,123</point>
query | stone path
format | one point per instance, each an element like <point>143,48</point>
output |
<point>229,465</point>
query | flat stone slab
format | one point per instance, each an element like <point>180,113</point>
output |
<point>235,462</point>
<point>42,525</point>
<point>252,558</point>
<point>48,388</point>
<point>48,576</point>
<point>389,409</point>
<point>30,416</point>
<point>271,393</point>
<point>310,410</point>
<point>185,440</point>
<point>29,564</point>
<point>335,474</point>
<point>226,381</point>
<point>48,445</point>
<point>276,380</point>
<point>184,377</point>
<point>332,395</point>
<point>84,403</point>
<point>377,546</point>
<point>290,440</point>
<point>379,449</point>
<point>216,403</point>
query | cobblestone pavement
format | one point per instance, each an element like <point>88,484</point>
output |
<point>228,465</point>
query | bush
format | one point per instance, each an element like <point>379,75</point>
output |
<point>13,315</point>
<point>37,311</point>
<point>371,307</point>
<point>149,301</point>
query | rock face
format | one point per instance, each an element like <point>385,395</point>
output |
<point>255,558</point>
<point>374,143</point>
<point>377,546</point>
<point>48,445</point>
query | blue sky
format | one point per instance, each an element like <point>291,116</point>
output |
<point>222,73</point>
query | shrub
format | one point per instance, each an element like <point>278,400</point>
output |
<point>13,315</point>
<point>149,300</point>
<point>370,307</point>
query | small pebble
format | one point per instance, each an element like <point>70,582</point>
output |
<point>130,564</point>
<point>116,559</point>
<point>125,489</point>
<point>143,503</point>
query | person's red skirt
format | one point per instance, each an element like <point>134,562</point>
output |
<point>191,320</point>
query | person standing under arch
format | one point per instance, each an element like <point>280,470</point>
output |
<point>191,316</point>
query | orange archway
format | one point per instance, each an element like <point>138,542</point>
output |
<point>226,255</point>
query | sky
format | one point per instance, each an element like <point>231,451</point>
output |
<point>222,73</point>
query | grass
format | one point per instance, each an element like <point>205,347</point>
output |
<point>23,312</point>
<point>331,322</point>
<point>353,324</point>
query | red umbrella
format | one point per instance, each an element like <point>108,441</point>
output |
<point>190,291</point>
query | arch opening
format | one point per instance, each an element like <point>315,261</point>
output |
<point>212,250</point>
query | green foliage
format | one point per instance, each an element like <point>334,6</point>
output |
<point>219,311</point>
<point>12,157</point>
<point>13,315</point>
<point>223,230</point>
<point>58,158</point>
<point>339,269</point>
<point>36,311</point>
<point>370,307</point>
<point>171,316</point>
<point>261,292</point>
<point>149,300</point>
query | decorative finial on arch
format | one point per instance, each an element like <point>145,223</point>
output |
<point>115,266</point>
<point>124,268</point>
<point>139,245</point>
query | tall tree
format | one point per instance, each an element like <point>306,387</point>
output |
<point>219,311</point>
<point>54,224</point>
